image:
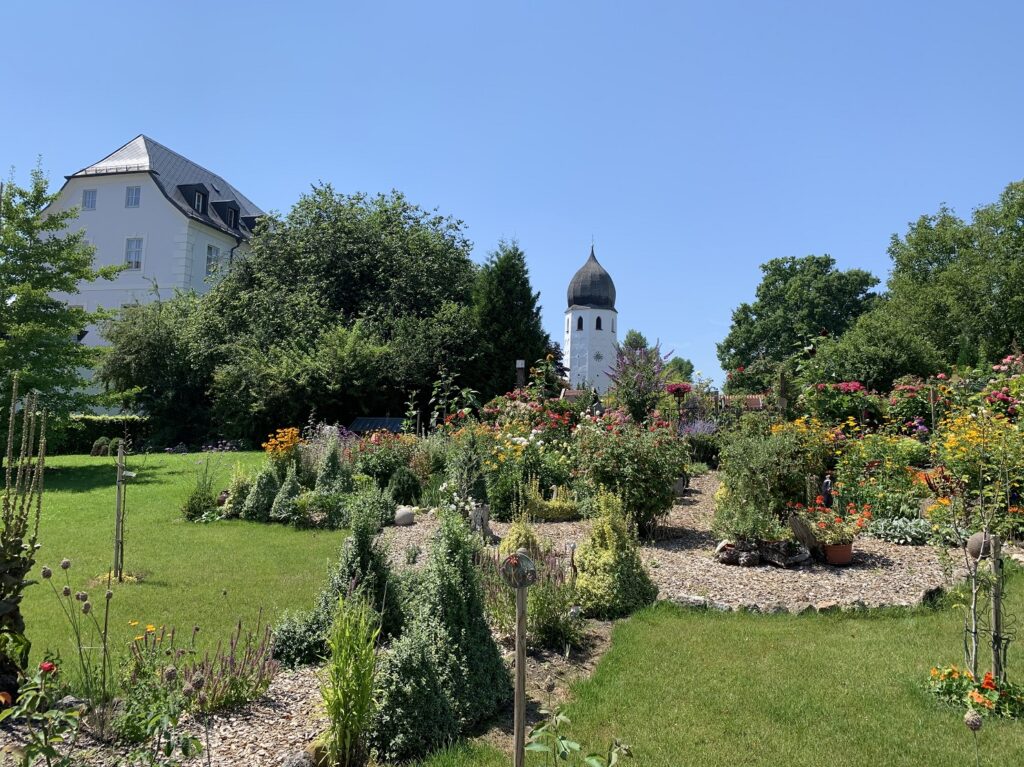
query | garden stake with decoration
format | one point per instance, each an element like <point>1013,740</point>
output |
<point>520,573</point>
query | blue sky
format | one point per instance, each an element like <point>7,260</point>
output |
<point>692,141</point>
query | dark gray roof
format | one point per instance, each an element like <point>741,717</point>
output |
<point>365,424</point>
<point>170,170</point>
<point>592,286</point>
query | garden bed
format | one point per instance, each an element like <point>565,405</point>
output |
<point>682,564</point>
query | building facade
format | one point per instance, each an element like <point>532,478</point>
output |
<point>588,348</point>
<point>171,223</point>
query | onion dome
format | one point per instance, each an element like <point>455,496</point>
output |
<point>592,286</point>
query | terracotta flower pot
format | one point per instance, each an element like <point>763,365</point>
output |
<point>838,553</point>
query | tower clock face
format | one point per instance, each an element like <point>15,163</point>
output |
<point>598,356</point>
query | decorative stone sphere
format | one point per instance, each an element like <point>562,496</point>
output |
<point>978,545</point>
<point>973,720</point>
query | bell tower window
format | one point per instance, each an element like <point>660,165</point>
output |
<point>579,323</point>
<point>597,324</point>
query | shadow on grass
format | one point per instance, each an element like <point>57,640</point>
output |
<point>102,474</point>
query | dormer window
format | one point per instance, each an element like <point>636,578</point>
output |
<point>232,218</point>
<point>199,202</point>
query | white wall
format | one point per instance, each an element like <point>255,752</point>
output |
<point>580,348</point>
<point>173,246</point>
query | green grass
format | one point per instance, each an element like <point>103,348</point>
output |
<point>209,575</point>
<point>687,687</point>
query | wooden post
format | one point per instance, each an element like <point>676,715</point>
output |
<point>996,560</point>
<point>119,517</point>
<point>520,573</point>
<point>519,723</point>
<point>520,374</point>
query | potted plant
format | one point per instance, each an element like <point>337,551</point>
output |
<point>836,527</point>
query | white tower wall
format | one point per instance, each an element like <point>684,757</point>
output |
<point>588,352</point>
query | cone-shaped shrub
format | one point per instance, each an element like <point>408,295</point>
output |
<point>261,497</point>
<point>449,641</point>
<point>331,475</point>
<point>283,509</point>
<point>238,491</point>
<point>611,580</point>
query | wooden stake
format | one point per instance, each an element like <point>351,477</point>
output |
<point>119,517</point>
<point>519,723</point>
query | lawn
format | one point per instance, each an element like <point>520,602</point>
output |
<point>209,575</point>
<point>688,687</point>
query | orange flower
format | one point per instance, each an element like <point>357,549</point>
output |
<point>5,699</point>
<point>988,682</point>
<point>822,525</point>
<point>981,700</point>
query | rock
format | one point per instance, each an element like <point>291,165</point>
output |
<point>784,553</point>
<point>71,702</point>
<point>799,608</point>
<point>222,498</point>
<point>728,555</point>
<point>721,545</point>
<point>748,559</point>
<point>826,607</point>
<point>803,533</point>
<point>298,759</point>
<point>405,516</point>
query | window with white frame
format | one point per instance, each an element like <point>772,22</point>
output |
<point>88,199</point>
<point>212,259</point>
<point>199,203</point>
<point>132,195</point>
<point>133,253</point>
<point>232,218</point>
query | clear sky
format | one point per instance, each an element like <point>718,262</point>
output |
<point>691,141</point>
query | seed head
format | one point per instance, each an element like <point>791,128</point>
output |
<point>86,607</point>
<point>47,573</point>
<point>66,591</point>
<point>65,564</point>
<point>188,691</point>
<point>198,682</point>
<point>170,674</point>
<point>109,595</point>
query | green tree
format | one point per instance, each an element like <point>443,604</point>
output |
<point>151,364</point>
<point>39,333</point>
<point>679,369</point>
<point>961,284</point>
<point>508,320</point>
<point>880,347</point>
<point>797,298</point>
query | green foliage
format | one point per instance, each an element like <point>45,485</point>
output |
<point>201,502</point>
<point>414,714</point>
<point>348,685</point>
<point>548,738</point>
<point>83,431</point>
<point>520,536</point>
<point>739,519</point>
<point>261,497</point>
<point>679,369</point>
<point>880,347</point>
<point>100,446</point>
<point>877,470</point>
<point>611,580</point>
<point>797,299</point>
<point>403,487</point>
<point>902,531</point>
<point>846,401</point>
<point>451,609</point>
<point>331,474</point>
<point>765,467</point>
<point>46,261</point>
<point>238,491</point>
<point>51,730</point>
<point>507,314</point>
<point>319,510</point>
<point>283,508</point>
<point>363,572</point>
<point>641,464</point>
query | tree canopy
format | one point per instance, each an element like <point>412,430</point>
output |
<point>39,334</point>
<point>797,299</point>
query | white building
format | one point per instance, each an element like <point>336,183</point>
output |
<point>171,222</point>
<point>590,327</point>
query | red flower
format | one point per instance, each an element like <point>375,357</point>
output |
<point>47,667</point>
<point>988,682</point>
<point>741,369</point>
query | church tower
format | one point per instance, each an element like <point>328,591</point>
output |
<point>590,327</point>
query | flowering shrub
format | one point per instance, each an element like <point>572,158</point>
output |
<point>834,526</point>
<point>878,469</point>
<point>958,687</point>
<point>835,402</point>
<point>641,464</point>
<point>281,446</point>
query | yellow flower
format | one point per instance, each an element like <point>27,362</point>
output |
<point>150,628</point>
<point>133,624</point>
<point>139,638</point>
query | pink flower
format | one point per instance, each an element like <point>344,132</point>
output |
<point>47,667</point>
<point>942,376</point>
